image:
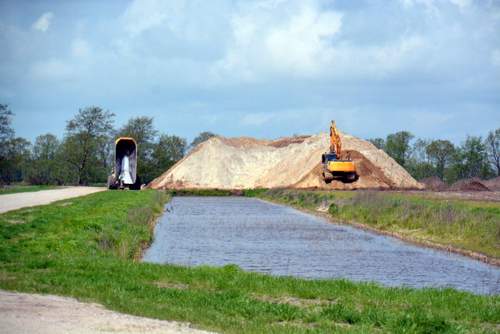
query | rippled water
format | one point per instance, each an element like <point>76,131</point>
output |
<point>279,240</point>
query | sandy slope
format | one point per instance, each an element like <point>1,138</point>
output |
<point>17,201</point>
<point>46,314</point>
<point>239,163</point>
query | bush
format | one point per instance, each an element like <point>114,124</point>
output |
<point>333,209</point>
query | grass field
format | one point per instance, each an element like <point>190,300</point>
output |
<point>464,224</point>
<point>23,189</point>
<point>88,248</point>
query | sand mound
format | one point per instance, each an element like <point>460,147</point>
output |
<point>434,183</point>
<point>493,184</point>
<point>474,184</point>
<point>241,163</point>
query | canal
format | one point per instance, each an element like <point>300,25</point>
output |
<point>279,240</point>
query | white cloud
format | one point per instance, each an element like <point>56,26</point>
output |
<point>143,15</point>
<point>461,3</point>
<point>430,3</point>
<point>303,44</point>
<point>292,38</point>
<point>43,22</point>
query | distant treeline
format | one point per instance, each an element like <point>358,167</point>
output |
<point>84,155</point>
<point>422,158</point>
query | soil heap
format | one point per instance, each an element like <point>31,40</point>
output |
<point>244,163</point>
<point>434,183</point>
<point>493,184</point>
<point>473,184</point>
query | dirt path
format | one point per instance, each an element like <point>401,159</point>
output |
<point>17,201</point>
<point>46,314</point>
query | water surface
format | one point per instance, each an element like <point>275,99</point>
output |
<point>279,240</point>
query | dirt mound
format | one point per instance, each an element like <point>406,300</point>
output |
<point>493,184</point>
<point>241,163</point>
<point>434,183</point>
<point>474,184</point>
<point>283,142</point>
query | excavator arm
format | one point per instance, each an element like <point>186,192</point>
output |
<point>335,142</point>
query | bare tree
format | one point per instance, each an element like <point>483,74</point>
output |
<point>493,149</point>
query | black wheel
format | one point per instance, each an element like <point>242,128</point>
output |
<point>112,182</point>
<point>351,177</point>
<point>137,184</point>
<point>328,177</point>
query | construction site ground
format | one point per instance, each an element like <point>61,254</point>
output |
<point>48,314</point>
<point>16,201</point>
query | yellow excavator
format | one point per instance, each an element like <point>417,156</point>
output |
<point>334,167</point>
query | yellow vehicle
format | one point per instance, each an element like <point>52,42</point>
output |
<point>334,167</point>
<point>124,174</point>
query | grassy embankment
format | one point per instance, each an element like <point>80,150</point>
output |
<point>23,189</point>
<point>88,248</point>
<point>468,225</point>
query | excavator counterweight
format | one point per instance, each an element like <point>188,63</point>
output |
<point>336,167</point>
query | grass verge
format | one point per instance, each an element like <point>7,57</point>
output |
<point>462,224</point>
<point>23,189</point>
<point>86,249</point>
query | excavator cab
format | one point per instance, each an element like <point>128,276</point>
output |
<point>335,168</point>
<point>124,174</point>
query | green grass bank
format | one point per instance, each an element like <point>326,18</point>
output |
<point>463,224</point>
<point>88,248</point>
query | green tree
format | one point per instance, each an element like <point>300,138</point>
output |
<point>141,129</point>
<point>470,160</point>
<point>378,142</point>
<point>6,130</point>
<point>144,133</point>
<point>418,164</point>
<point>203,136</point>
<point>397,145</point>
<point>167,152</point>
<point>14,152</point>
<point>493,149</point>
<point>45,166</point>
<point>6,135</point>
<point>441,153</point>
<point>17,158</point>
<point>86,136</point>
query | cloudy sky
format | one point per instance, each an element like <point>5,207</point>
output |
<point>265,68</point>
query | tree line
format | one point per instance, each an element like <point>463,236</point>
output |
<point>422,158</point>
<point>85,153</point>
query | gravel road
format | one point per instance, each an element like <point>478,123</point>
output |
<point>21,200</point>
<point>46,314</point>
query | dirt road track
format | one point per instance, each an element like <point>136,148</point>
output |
<point>21,200</point>
<point>46,314</point>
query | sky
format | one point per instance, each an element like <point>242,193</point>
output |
<point>265,69</point>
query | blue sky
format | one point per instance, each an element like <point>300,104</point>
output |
<point>266,68</point>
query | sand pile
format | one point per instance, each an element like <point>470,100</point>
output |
<point>240,163</point>
<point>473,184</point>
<point>434,183</point>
